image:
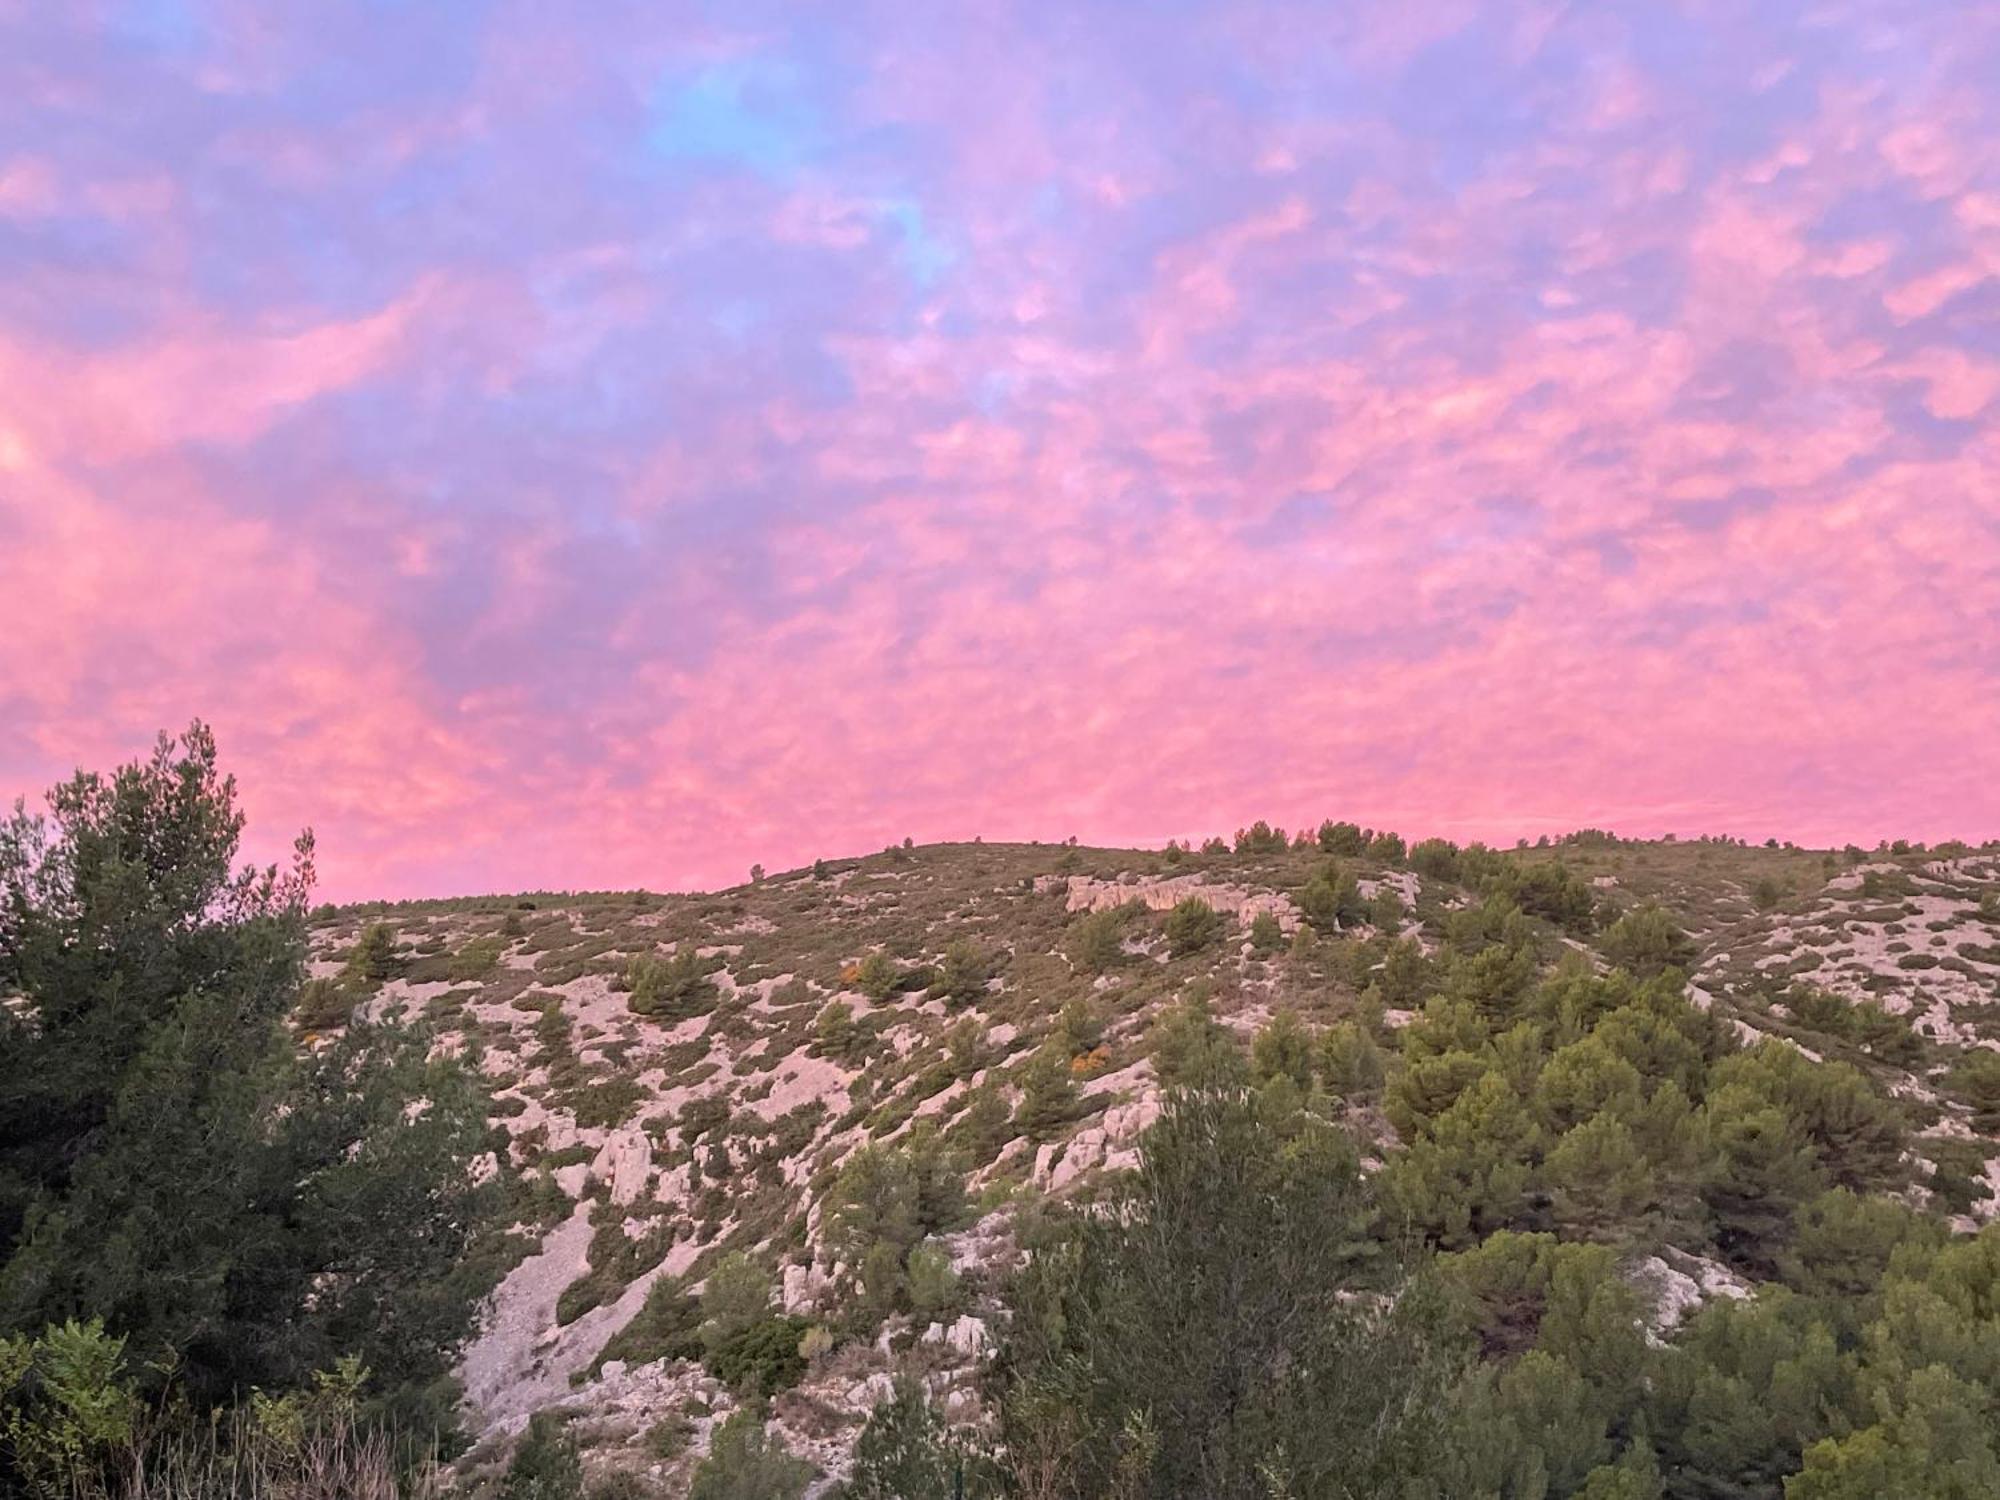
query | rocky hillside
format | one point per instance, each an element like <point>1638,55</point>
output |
<point>685,1080</point>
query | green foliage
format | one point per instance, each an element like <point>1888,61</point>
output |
<point>1244,1242</point>
<point>1405,973</point>
<point>1435,859</point>
<point>1095,941</point>
<point>545,1465</point>
<point>838,1035</point>
<point>169,1163</point>
<point>1331,900</point>
<point>963,974</point>
<point>1342,838</point>
<point>1191,1049</point>
<point>607,1102</point>
<point>761,1358</point>
<point>1049,1098</point>
<point>966,1051</point>
<point>73,1428</point>
<point>373,957</point>
<point>736,1296</point>
<point>986,1126</point>
<point>1647,941</point>
<point>1976,1080</point>
<point>877,975</point>
<point>667,1439</point>
<point>1261,838</point>
<point>667,1326</point>
<point>69,1408</point>
<point>1284,1047</point>
<point>475,960</point>
<point>1843,1242</point>
<point>893,1197</point>
<point>907,1452</point>
<point>1266,937</point>
<point>1079,1028</point>
<point>744,1464</point>
<point>1351,1063</point>
<point>933,1285</point>
<point>1192,926</point>
<point>1549,890</point>
<point>669,989</point>
<point>615,1258</point>
<point>324,1004</point>
<point>1600,1184</point>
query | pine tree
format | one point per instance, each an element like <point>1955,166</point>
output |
<point>169,1163</point>
<point>744,1464</point>
<point>1049,1098</point>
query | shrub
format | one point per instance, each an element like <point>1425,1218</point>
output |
<point>1332,900</point>
<point>1436,859</point>
<point>1646,941</point>
<point>1342,838</point>
<point>325,1004</point>
<point>607,1103</point>
<point>962,975</point>
<point>1049,1099</point>
<point>475,960</point>
<point>743,1464</point>
<point>932,1284</point>
<point>1095,941</point>
<point>373,957</point>
<point>1079,1028</point>
<point>761,1359</point>
<point>876,976</point>
<point>545,1465</point>
<point>980,1132</point>
<point>1246,1246</point>
<point>906,1450</point>
<point>1191,1049</point>
<point>620,1484</point>
<point>667,1439</point>
<point>670,989</point>
<point>1261,838</point>
<point>1351,1063</point>
<point>837,1035</point>
<point>667,1326</point>
<point>1552,891</point>
<point>1192,926</point>
<point>735,1297</point>
<point>70,1407</point>
<point>1283,1047</point>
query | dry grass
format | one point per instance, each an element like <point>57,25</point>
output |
<point>233,1460</point>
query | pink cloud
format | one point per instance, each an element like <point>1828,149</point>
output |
<point>1307,436</point>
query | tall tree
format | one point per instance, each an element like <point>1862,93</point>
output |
<point>1250,1245</point>
<point>169,1160</point>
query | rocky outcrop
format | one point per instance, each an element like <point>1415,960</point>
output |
<point>625,1164</point>
<point>1674,1289</point>
<point>1164,893</point>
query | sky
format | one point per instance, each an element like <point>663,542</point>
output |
<point>609,445</point>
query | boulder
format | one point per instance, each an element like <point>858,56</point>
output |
<point>625,1161</point>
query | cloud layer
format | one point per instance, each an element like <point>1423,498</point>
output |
<point>606,446</point>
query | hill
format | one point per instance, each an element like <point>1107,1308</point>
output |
<point>702,1089</point>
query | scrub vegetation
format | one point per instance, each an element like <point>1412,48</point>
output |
<point>1311,1164</point>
